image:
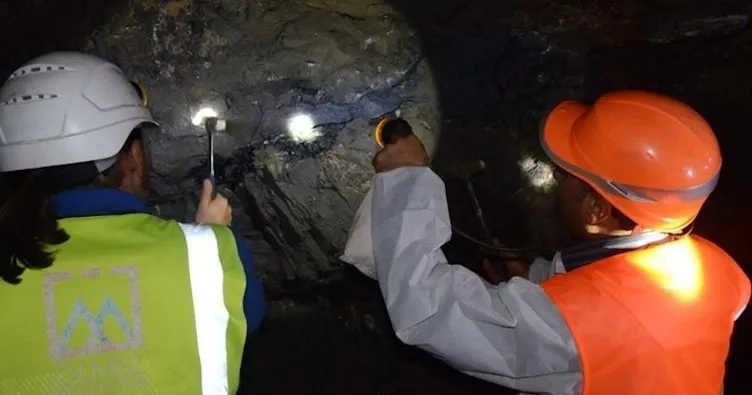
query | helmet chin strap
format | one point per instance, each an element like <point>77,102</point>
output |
<point>592,251</point>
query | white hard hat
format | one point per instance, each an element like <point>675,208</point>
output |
<point>64,108</point>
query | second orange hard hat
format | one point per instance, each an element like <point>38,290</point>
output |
<point>652,157</point>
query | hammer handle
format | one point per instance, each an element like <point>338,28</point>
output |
<point>214,186</point>
<point>211,129</point>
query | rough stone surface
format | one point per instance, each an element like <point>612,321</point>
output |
<point>258,64</point>
<point>474,79</point>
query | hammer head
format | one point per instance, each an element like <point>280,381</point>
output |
<point>466,170</point>
<point>214,125</point>
<point>208,118</point>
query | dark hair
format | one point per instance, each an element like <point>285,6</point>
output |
<point>394,128</point>
<point>28,223</point>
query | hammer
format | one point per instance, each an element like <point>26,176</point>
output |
<point>213,125</point>
<point>513,262</point>
<point>464,172</point>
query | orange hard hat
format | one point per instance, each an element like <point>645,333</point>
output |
<point>652,157</point>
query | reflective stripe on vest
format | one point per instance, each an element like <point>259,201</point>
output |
<point>133,304</point>
<point>211,316</point>
<point>653,321</point>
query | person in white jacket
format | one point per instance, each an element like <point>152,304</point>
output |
<point>496,333</point>
<point>579,324</point>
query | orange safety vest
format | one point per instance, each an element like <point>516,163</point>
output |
<point>655,321</point>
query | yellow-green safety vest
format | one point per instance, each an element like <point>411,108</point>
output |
<point>133,304</point>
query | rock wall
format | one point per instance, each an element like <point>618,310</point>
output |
<point>473,78</point>
<point>258,64</point>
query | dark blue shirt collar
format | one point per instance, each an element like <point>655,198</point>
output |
<point>87,202</point>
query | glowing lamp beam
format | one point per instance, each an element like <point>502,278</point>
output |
<point>302,129</point>
<point>539,175</point>
<point>202,114</point>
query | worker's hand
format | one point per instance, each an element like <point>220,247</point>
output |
<point>406,151</point>
<point>216,211</point>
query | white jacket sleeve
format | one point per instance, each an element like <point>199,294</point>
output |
<point>510,334</point>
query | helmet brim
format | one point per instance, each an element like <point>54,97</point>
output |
<point>556,133</point>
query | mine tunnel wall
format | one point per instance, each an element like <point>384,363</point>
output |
<point>473,78</point>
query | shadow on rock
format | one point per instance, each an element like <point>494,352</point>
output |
<point>336,339</point>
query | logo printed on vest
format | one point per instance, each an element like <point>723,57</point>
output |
<point>98,341</point>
